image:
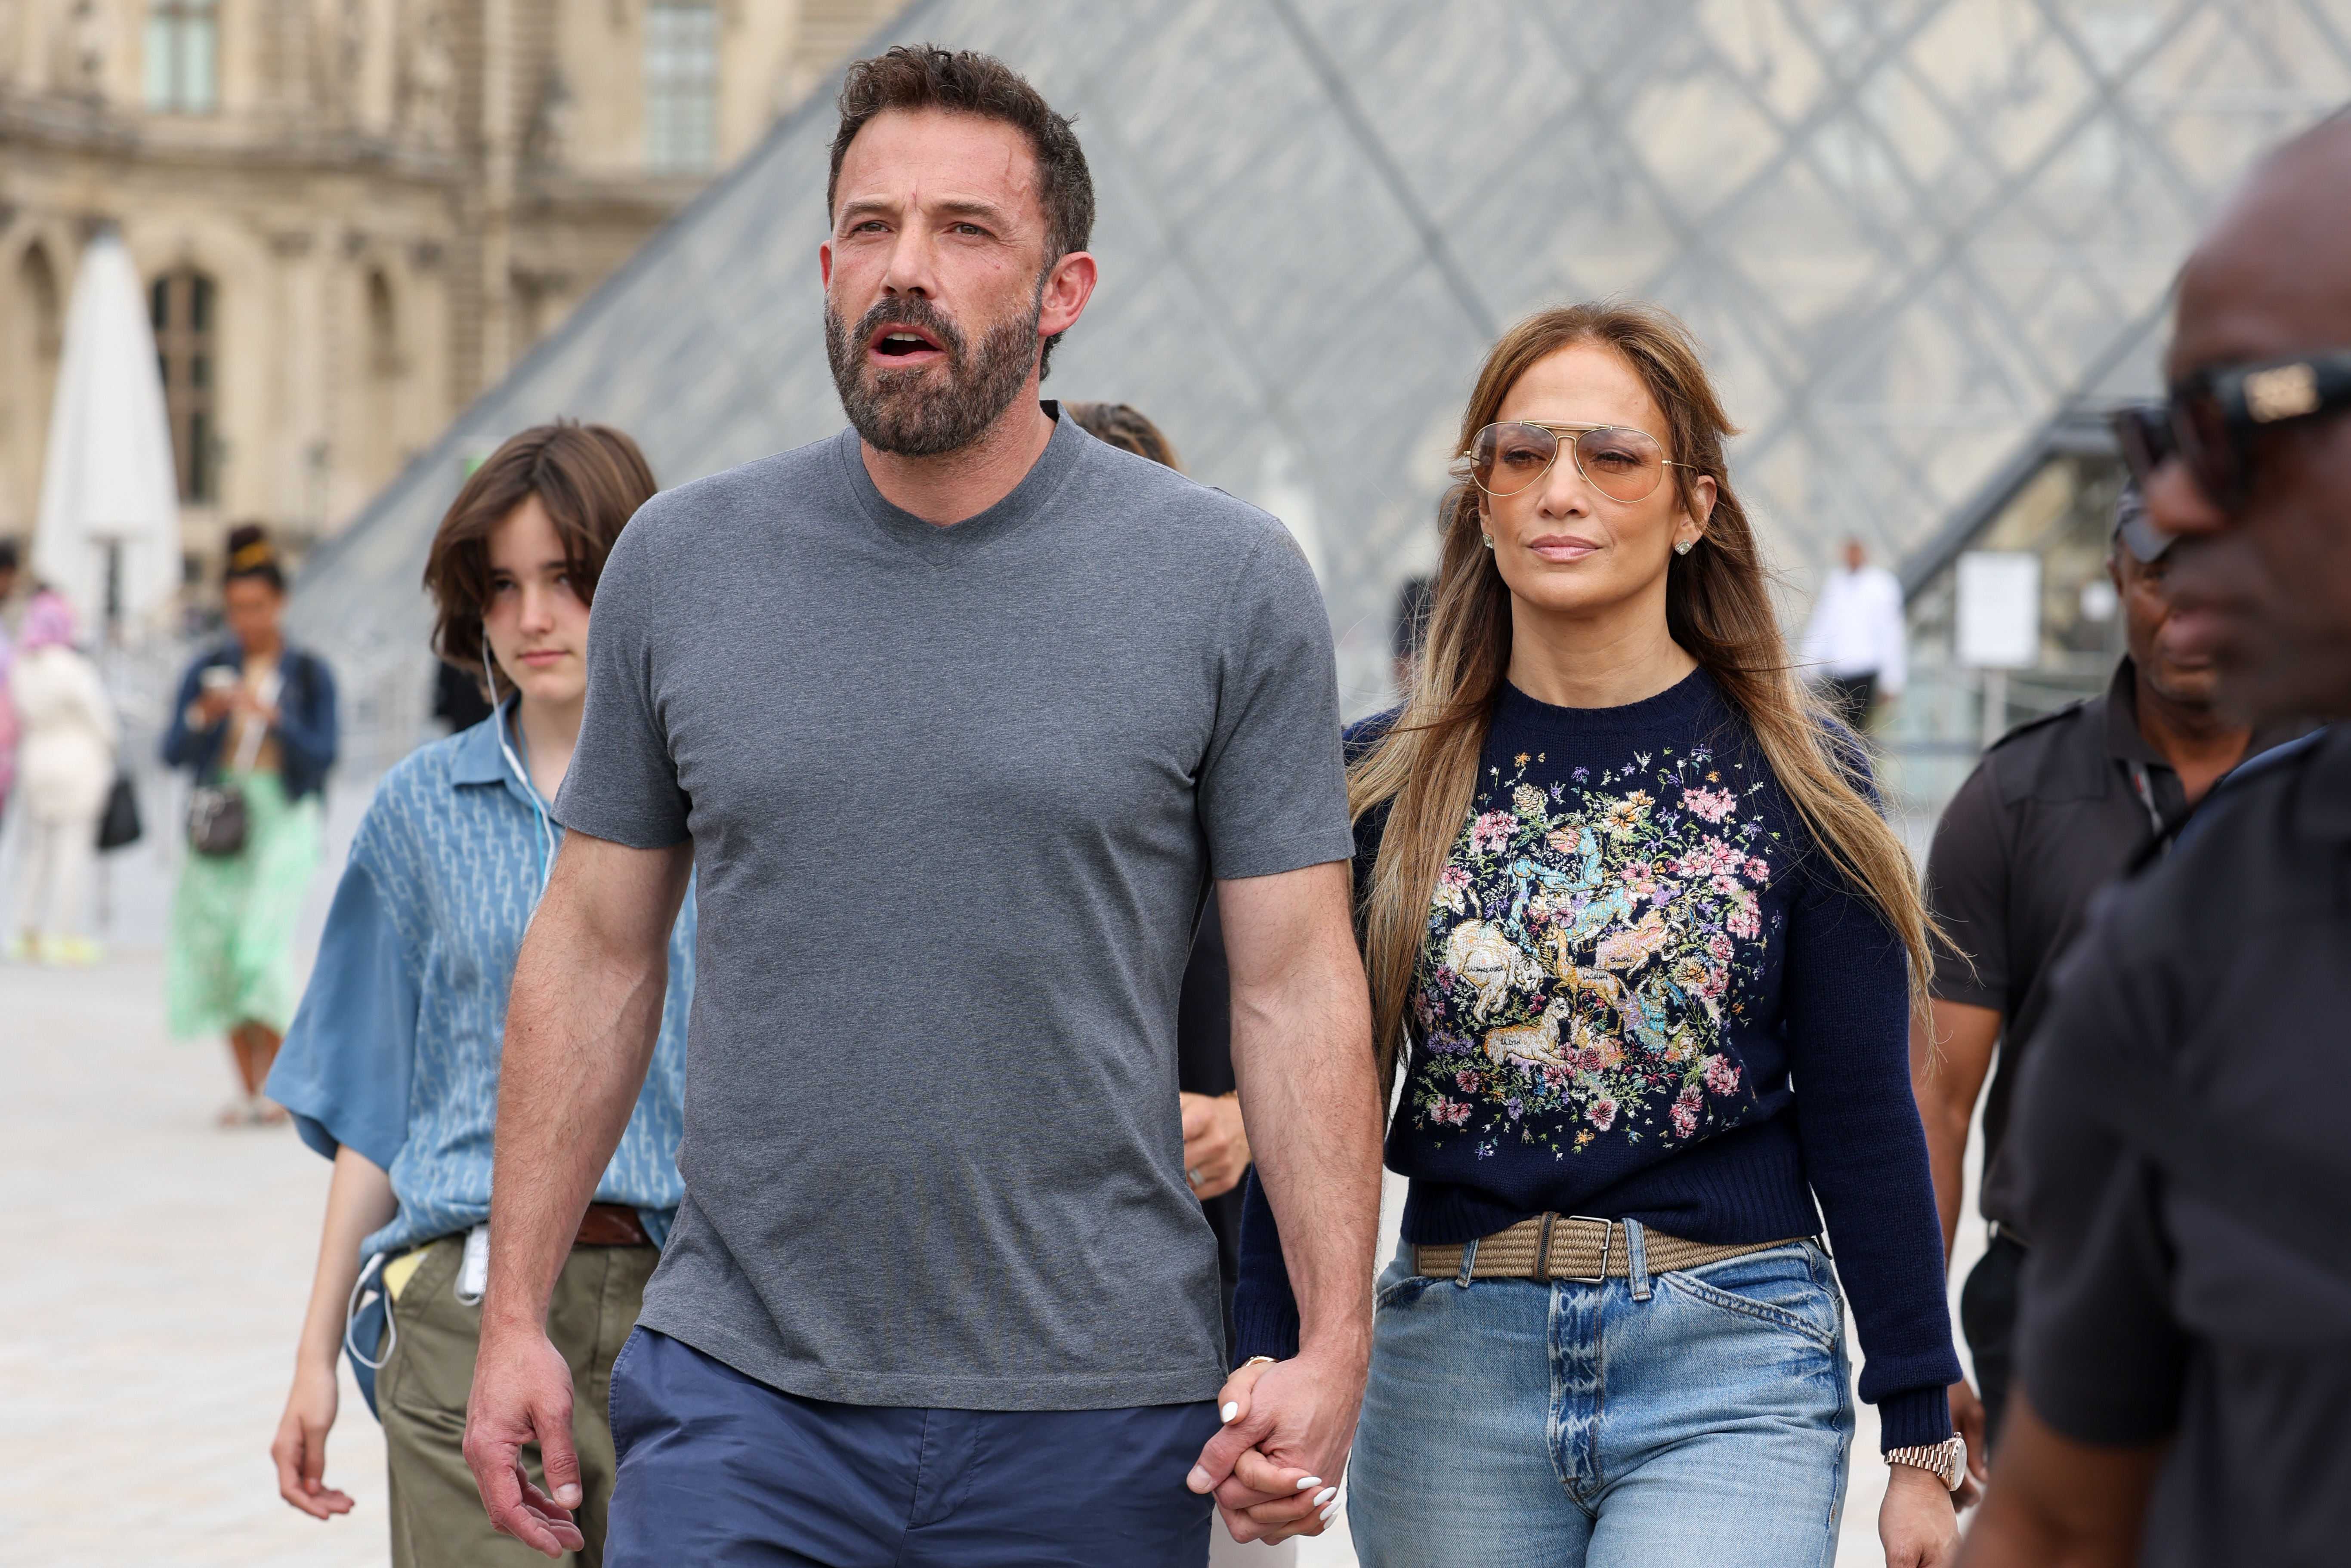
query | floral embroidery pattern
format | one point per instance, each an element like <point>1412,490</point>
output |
<point>1585,953</point>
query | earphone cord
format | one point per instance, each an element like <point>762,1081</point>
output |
<point>546,844</point>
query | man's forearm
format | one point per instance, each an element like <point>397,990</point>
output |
<point>583,1018</point>
<point>1302,1058</point>
<point>2057,1503</point>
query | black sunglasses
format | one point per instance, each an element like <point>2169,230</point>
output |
<point>2211,417</point>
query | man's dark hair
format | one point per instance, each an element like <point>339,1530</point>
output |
<point>921,76</point>
<point>8,556</point>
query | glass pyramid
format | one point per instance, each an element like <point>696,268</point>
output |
<point>1912,232</point>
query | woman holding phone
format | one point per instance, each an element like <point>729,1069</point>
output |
<point>255,720</point>
<point>391,1067</point>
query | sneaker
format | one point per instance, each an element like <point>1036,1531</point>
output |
<point>71,953</point>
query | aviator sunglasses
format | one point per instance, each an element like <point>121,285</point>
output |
<point>2210,419</point>
<point>1620,461</point>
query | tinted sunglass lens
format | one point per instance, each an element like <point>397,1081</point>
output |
<point>1506,458</point>
<point>2201,428</point>
<point>1623,464</point>
<point>2144,436</point>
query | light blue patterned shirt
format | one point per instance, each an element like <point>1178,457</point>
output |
<point>394,1050</point>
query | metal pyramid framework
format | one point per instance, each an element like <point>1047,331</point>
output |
<point>1911,232</point>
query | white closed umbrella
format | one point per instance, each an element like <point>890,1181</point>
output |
<point>109,492</point>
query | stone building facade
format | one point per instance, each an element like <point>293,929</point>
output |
<point>353,214</point>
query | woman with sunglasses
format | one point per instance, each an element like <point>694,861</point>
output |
<point>1649,955</point>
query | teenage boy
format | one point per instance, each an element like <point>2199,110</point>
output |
<point>952,717</point>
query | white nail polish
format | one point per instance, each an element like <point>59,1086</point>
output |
<point>1310,1481</point>
<point>1231,1409</point>
<point>1328,1512</point>
<point>1326,1495</point>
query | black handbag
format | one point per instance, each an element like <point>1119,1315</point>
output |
<point>120,826</point>
<point>216,819</point>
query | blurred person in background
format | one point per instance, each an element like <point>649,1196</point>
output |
<point>1622,882</point>
<point>391,1067</point>
<point>2184,1344</point>
<point>457,699</point>
<point>255,716</point>
<point>1857,644</point>
<point>67,736</point>
<point>7,710</point>
<point>2060,807</point>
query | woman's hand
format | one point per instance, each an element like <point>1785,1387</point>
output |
<point>213,705</point>
<point>299,1449</point>
<point>1917,1524</point>
<point>1215,1145</point>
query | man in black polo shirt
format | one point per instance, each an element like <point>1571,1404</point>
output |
<point>2184,1350</point>
<point>2057,809</point>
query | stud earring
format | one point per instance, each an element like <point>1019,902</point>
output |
<point>1683,548</point>
<point>1489,539</point>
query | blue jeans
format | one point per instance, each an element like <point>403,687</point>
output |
<point>1698,1416</point>
<point>718,1469</point>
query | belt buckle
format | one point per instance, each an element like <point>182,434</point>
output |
<point>1607,1236</point>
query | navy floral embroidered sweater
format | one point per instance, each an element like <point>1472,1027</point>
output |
<point>1645,994</point>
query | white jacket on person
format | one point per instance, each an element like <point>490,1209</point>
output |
<point>66,734</point>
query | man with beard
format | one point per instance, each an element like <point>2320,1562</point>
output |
<point>2061,806</point>
<point>952,717</point>
<point>2185,1343</point>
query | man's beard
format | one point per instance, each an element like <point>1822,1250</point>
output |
<point>895,412</point>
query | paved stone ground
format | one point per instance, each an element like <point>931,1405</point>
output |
<point>159,1270</point>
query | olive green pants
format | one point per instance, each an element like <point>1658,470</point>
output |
<point>437,1520</point>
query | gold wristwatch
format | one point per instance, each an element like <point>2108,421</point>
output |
<point>1947,1461</point>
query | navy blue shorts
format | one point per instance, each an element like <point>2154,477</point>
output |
<point>717,1467</point>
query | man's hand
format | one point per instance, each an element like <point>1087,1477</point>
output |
<point>1275,1467</point>
<point>300,1449</point>
<point>522,1394</point>
<point>1917,1524</point>
<point>1968,1421</point>
<point>1216,1143</point>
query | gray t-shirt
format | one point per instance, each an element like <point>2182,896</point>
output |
<point>954,794</point>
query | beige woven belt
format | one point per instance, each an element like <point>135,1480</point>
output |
<point>1577,1247</point>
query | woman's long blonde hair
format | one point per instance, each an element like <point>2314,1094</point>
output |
<point>1424,769</point>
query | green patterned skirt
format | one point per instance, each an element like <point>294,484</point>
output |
<point>231,954</point>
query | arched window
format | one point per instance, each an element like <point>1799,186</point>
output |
<point>185,312</point>
<point>383,328</point>
<point>182,56</point>
<point>681,86</point>
<point>37,279</point>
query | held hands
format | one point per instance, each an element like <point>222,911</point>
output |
<point>1275,1466</point>
<point>300,1449</point>
<point>522,1394</point>
<point>1215,1145</point>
